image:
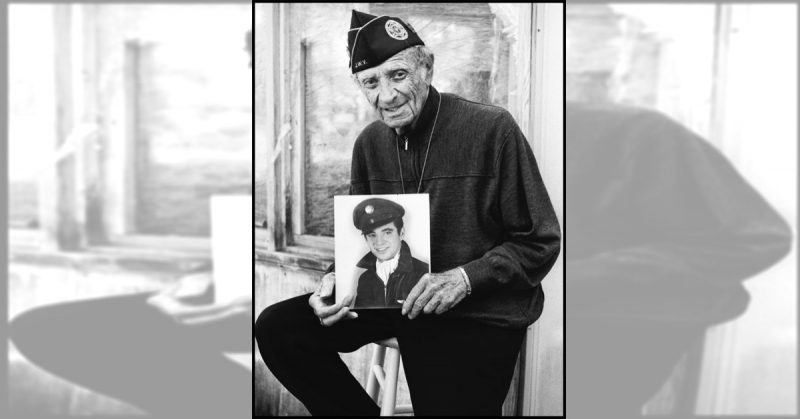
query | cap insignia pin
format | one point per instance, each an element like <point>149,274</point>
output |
<point>395,30</point>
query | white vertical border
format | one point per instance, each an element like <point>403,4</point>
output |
<point>722,380</point>
<point>544,358</point>
<point>716,366</point>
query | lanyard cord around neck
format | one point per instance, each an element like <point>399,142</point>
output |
<point>424,162</point>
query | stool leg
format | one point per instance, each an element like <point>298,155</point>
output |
<point>402,408</point>
<point>372,383</point>
<point>390,389</point>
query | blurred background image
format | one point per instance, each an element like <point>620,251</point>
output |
<point>724,77</point>
<point>124,121</point>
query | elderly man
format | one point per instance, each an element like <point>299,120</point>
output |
<point>494,236</point>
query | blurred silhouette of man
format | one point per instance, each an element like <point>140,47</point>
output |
<point>162,352</point>
<point>663,231</point>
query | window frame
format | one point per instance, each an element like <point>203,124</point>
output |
<point>64,195</point>
<point>282,134</point>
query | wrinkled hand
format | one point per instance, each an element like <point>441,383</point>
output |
<point>172,301</point>
<point>435,293</point>
<point>329,314</point>
<point>191,286</point>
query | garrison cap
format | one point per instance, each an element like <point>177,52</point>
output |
<point>373,39</point>
<point>375,212</point>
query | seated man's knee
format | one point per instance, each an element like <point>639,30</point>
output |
<point>267,324</point>
<point>31,332</point>
<point>55,332</point>
<point>279,322</point>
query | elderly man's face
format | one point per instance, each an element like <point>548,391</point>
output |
<point>396,89</point>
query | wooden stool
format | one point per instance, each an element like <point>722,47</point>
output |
<point>384,375</point>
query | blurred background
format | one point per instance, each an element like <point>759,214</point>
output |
<point>123,121</point>
<point>728,73</point>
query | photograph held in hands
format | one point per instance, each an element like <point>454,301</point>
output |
<point>382,246</point>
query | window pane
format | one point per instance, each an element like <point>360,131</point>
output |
<point>31,118</point>
<point>637,55</point>
<point>194,114</point>
<point>473,45</point>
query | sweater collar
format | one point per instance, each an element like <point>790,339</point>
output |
<point>404,265</point>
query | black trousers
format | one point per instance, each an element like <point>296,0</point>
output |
<point>123,347</point>
<point>614,366</point>
<point>452,366</point>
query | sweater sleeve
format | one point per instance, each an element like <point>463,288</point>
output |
<point>359,182</point>
<point>681,227</point>
<point>531,233</point>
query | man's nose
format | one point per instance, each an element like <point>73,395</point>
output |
<point>386,94</point>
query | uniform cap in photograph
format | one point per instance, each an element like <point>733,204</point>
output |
<point>373,39</point>
<point>375,212</point>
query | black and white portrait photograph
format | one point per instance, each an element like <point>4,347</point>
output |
<point>365,304</point>
<point>382,248</point>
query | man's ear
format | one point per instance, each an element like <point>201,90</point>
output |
<point>403,232</point>
<point>428,76</point>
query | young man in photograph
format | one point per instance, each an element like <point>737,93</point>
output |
<point>391,271</point>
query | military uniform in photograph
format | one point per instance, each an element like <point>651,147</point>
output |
<point>372,290</point>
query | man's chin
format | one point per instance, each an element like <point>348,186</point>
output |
<point>387,258</point>
<point>397,123</point>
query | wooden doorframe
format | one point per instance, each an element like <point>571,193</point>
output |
<point>543,363</point>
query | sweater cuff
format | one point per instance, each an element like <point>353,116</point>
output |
<point>331,268</point>
<point>479,272</point>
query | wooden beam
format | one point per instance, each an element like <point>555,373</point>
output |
<point>263,109</point>
<point>544,360</point>
<point>525,72</point>
<point>268,99</point>
<point>91,148</point>
<point>298,148</point>
<point>130,149</point>
<point>284,115</point>
<point>66,227</point>
<point>116,116</point>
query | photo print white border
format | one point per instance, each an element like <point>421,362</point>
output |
<point>350,246</point>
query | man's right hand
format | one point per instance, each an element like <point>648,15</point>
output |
<point>329,314</point>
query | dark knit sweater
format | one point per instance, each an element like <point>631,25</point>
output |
<point>489,210</point>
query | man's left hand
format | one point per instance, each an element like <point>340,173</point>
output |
<point>174,301</point>
<point>435,293</point>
